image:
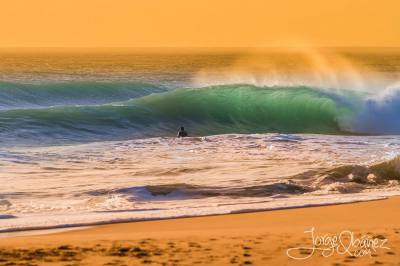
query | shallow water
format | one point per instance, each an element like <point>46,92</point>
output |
<point>168,177</point>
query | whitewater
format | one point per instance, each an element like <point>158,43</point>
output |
<point>91,140</point>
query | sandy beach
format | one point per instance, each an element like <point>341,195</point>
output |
<point>260,238</point>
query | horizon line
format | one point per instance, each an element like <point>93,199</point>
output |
<point>191,47</point>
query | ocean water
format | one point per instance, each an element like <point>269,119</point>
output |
<point>88,137</point>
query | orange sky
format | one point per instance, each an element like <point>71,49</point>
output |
<point>226,23</point>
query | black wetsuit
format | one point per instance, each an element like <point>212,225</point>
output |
<point>182,133</point>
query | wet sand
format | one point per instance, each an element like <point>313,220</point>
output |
<point>260,238</point>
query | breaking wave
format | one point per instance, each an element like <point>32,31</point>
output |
<point>98,111</point>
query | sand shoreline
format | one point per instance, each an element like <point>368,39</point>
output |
<point>257,238</point>
<point>4,233</point>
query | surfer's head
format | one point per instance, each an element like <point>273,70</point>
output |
<point>182,128</point>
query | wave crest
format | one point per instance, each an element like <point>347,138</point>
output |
<point>223,109</point>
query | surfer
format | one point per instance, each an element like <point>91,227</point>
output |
<point>182,133</point>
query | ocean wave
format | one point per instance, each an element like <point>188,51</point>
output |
<point>181,191</point>
<point>211,110</point>
<point>354,178</point>
<point>342,179</point>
